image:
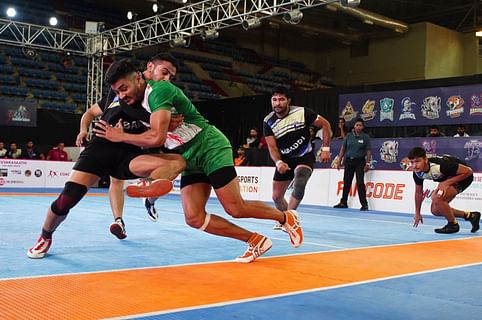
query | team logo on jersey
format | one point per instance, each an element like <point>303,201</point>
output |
<point>474,150</point>
<point>368,110</point>
<point>348,113</point>
<point>407,109</point>
<point>389,151</point>
<point>386,109</point>
<point>431,106</point>
<point>455,105</point>
<point>405,164</point>
<point>476,104</point>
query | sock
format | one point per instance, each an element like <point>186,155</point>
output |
<point>467,214</point>
<point>284,218</point>
<point>47,234</point>
<point>453,221</point>
<point>119,219</point>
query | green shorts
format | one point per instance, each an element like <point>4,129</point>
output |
<point>208,152</point>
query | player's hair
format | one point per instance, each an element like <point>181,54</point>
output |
<point>281,89</point>
<point>164,56</point>
<point>417,152</point>
<point>360,120</point>
<point>118,70</point>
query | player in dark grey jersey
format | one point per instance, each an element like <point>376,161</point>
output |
<point>454,176</point>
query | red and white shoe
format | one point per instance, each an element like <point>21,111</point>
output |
<point>257,246</point>
<point>293,228</point>
<point>118,229</point>
<point>40,248</point>
<point>149,188</point>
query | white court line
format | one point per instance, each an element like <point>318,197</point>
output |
<point>222,304</point>
<point>225,261</point>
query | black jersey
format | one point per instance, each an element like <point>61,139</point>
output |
<point>440,169</point>
<point>292,131</point>
<point>135,119</point>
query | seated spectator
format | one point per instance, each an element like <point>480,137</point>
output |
<point>57,153</point>
<point>240,159</point>
<point>42,156</point>
<point>3,151</point>
<point>341,130</point>
<point>252,141</point>
<point>29,152</point>
<point>262,143</point>
<point>434,131</point>
<point>14,152</point>
<point>461,131</point>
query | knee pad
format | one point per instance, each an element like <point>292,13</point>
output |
<point>207,218</point>
<point>302,174</point>
<point>69,197</point>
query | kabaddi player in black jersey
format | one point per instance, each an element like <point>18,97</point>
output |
<point>454,176</point>
<point>102,157</point>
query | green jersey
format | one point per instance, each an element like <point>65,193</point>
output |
<point>163,95</point>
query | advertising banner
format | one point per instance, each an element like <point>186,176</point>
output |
<point>417,107</point>
<point>391,153</point>
<point>20,113</point>
<point>22,173</point>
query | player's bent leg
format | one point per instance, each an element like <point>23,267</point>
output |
<point>302,175</point>
<point>194,199</point>
<point>279,190</point>
<point>78,184</point>
<point>230,197</point>
<point>440,207</point>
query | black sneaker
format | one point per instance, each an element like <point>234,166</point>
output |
<point>341,205</point>
<point>151,210</point>
<point>364,208</point>
<point>474,219</point>
<point>448,228</point>
<point>117,228</point>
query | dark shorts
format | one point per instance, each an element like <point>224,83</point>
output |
<point>464,184</point>
<point>108,159</point>
<point>217,179</point>
<point>307,159</point>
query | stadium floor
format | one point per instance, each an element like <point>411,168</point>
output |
<point>352,265</point>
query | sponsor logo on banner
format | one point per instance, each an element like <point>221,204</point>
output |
<point>476,105</point>
<point>431,106</point>
<point>455,105</point>
<point>28,173</point>
<point>368,110</point>
<point>348,113</point>
<point>377,190</point>
<point>386,109</point>
<point>473,148</point>
<point>20,115</point>
<point>405,164</point>
<point>389,151</point>
<point>38,173</point>
<point>55,174</point>
<point>3,172</point>
<point>407,109</point>
<point>249,184</point>
<point>430,147</point>
<point>2,181</point>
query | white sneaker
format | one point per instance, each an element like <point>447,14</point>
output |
<point>40,248</point>
<point>151,210</point>
<point>257,246</point>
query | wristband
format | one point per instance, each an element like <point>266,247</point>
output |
<point>278,162</point>
<point>327,149</point>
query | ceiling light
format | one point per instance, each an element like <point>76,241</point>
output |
<point>53,21</point>
<point>178,41</point>
<point>293,17</point>
<point>11,12</point>
<point>478,33</point>
<point>209,34</point>
<point>131,16</point>
<point>350,3</point>
<point>251,23</point>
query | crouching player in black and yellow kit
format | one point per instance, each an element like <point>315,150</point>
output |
<point>454,176</point>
